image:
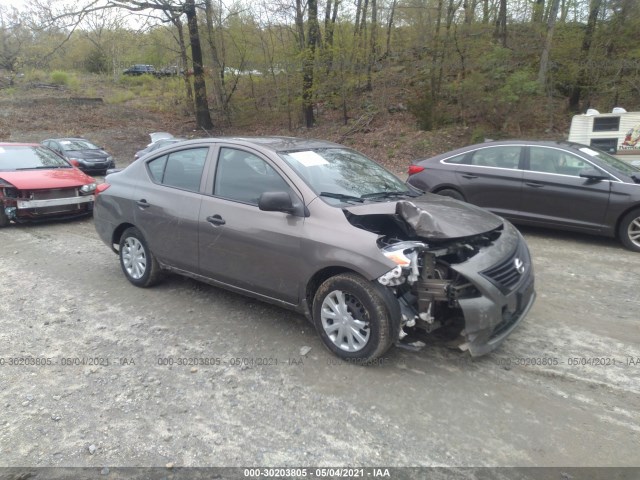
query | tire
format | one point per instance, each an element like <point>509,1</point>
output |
<point>629,230</point>
<point>450,192</point>
<point>369,331</point>
<point>138,264</point>
<point>4,220</point>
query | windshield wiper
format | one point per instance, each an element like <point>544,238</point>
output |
<point>341,196</point>
<point>42,167</point>
<point>386,194</point>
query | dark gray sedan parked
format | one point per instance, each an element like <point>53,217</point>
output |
<point>559,185</point>
<point>321,229</point>
<point>82,153</point>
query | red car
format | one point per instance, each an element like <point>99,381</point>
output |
<point>36,183</point>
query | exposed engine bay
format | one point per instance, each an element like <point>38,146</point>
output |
<point>427,288</point>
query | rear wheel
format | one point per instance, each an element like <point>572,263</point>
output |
<point>352,318</point>
<point>450,192</point>
<point>629,230</point>
<point>138,263</point>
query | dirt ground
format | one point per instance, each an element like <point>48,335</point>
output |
<point>95,372</point>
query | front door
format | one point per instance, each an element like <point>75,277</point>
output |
<point>554,194</point>
<point>242,245</point>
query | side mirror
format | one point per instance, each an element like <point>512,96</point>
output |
<point>276,202</point>
<point>593,174</point>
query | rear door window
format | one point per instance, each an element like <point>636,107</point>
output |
<point>182,169</point>
<point>500,157</point>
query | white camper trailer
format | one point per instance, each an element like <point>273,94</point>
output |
<point>617,133</point>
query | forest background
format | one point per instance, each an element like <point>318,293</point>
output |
<point>465,69</point>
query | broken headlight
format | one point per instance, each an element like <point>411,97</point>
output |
<point>405,256</point>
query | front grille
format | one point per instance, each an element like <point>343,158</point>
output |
<point>53,194</point>
<point>505,274</point>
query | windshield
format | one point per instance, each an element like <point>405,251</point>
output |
<point>343,174</point>
<point>72,145</point>
<point>22,157</point>
<point>613,162</point>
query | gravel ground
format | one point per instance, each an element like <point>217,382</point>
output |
<point>188,375</point>
<point>150,377</point>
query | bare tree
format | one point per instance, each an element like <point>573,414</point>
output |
<point>188,8</point>
<point>392,12</point>
<point>544,57</point>
<point>500,32</point>
<point>373,43</point>
<point>581,80</point>
<point>12,37</point>
<point>313,37</point>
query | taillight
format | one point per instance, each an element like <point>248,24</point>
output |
<point>101,188</point>
<point>413,169</point>
<point>74,162</point>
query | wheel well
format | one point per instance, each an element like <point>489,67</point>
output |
<point>448,187</point>
<point>319,277</point>
<point>621,216</point>
<point>117,233</point>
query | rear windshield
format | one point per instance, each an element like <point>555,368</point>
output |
<point>23,157</point>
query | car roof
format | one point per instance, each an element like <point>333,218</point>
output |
<point>497,143</point>
<point>65,138</point>
<point>275,144</point>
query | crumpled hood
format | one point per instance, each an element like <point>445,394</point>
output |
<point>51,178</point>
<point>434,217</point>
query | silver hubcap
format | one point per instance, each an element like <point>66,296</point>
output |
<point>634,231</point>
<point>344,321</point>
<point>134,258</point>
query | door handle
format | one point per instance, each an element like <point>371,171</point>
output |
<point>143,203</point>
<point>469,175</point>
<point>216,220</point>
<point>534,184</point>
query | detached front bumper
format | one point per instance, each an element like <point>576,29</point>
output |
<point>20,210</point>
<point>503,274</point>
<point>54,202</point>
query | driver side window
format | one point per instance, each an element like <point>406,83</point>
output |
<point>551,160</point>
<point>242,176</point>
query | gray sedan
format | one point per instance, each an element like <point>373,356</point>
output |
<point>316,227</point>
<point>559,185</point>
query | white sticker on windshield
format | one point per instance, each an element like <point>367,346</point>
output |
<point>65,142</point>
<point>588,151</point>
<point>308,159</point>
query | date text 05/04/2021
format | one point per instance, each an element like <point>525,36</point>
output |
<point>324,472</point>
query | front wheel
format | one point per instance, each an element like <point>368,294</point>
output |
<point>352,318</point>
<point>629,230</point>
<point>138,263</point>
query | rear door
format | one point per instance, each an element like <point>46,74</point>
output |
<point>555,195</point>
<point>491,177</point>
<point>167,207</point>
<point>241,245</point>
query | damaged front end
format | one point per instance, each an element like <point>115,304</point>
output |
<point>31,205</point>
<point>466,279</point>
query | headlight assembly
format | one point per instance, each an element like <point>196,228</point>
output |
<point>89,188</point>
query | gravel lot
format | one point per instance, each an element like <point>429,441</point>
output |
<point>64,298</point>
